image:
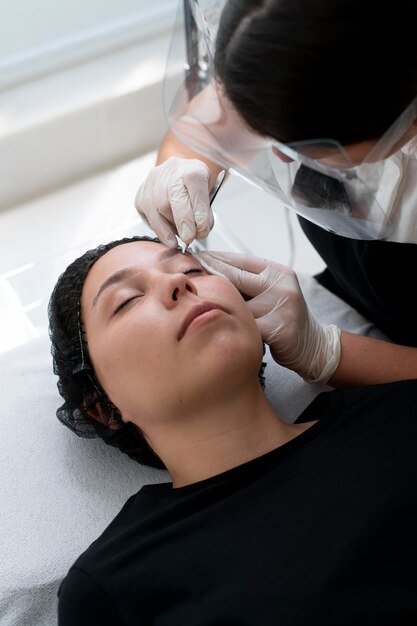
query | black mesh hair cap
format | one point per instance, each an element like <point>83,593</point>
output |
<point>77,384</point>
<point>76,379</point>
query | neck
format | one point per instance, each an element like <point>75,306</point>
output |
<point>220,435</point>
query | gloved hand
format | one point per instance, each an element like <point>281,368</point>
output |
<point>295,338</point>
<point>174,199</point>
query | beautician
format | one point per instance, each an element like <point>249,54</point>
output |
<point>316,102</point>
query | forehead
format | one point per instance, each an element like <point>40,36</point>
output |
<point>140,254</point>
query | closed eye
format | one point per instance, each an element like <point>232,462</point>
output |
<point>197,270</point>
<point>124,303</point>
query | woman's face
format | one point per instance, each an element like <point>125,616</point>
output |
<point>163,335</point>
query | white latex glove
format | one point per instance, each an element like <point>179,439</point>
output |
<point>295,338</point>
<point>174,199</point>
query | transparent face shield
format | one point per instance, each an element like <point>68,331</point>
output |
<point>319,179</point>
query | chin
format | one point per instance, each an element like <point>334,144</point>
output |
<point>231,358</point>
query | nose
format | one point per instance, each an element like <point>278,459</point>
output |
<point>174,287</point>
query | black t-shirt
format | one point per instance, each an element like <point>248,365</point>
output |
<point>320,531</point>
<point>375,277</point>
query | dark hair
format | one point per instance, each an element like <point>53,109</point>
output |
<point>308,69</point>
<point>77,383</point>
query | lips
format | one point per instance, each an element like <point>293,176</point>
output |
<point>194,312</point>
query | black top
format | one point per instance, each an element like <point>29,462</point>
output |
<point>320,531</point>
<point>375,277</point>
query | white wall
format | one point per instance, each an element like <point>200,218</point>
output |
<point>81,89</point>
<point>26,24</point>
<point>41,36</point>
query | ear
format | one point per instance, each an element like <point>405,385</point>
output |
<point>111,420</point>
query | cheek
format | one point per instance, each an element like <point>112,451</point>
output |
<point>125,353</point>
<point>219,286</point>
<point>227,294</point>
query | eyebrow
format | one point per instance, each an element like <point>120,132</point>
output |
<point>126,272</point>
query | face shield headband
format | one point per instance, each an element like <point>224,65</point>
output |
<point>317,178</point>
